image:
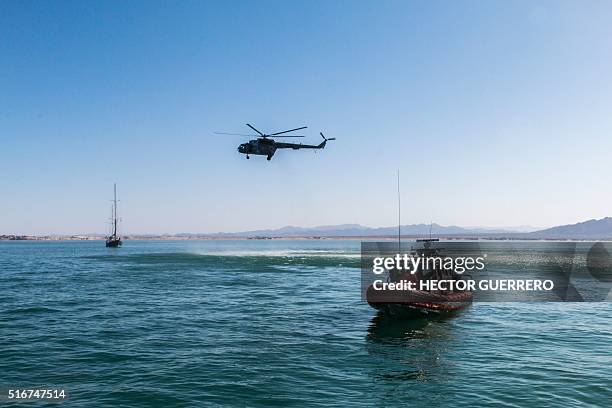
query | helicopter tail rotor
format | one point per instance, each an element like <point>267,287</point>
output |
<point>325,138</point>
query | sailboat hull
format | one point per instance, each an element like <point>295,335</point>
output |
<point>113,242</point>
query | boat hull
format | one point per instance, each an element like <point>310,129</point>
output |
<point>417,303</point>
<point>113,243</point>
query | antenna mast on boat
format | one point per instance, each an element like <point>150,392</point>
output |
<point>399,215</point>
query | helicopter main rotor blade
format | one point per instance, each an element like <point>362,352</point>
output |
<point>234,134</point>
<point>287,131</point>
<point>261,134</point>
<point>287,136</point>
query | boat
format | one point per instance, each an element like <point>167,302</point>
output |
<point>114,240</point>
<point>418,303</point>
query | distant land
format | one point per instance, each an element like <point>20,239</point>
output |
<point>591,229</point>
<point>587,230</point>
<point>356,230</point>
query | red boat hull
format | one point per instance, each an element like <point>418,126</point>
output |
<point>417,303</point>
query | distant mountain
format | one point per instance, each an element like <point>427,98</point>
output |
<point>356,230</point>
<point>514,228</point>
<point>591,229</point>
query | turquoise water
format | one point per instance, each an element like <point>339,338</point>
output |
<point>273,323</point>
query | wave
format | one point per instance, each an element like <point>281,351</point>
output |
<point>237,259</point>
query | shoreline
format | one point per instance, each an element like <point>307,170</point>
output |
<point>294,238</point>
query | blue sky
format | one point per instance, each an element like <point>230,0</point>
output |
<point>496,113</point>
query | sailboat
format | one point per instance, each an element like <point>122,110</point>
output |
<point>114,241</point>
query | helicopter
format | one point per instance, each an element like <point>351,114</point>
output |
<point>264,146</point>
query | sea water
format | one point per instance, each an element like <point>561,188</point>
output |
<point>273,323</point>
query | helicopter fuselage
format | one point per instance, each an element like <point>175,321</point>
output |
<point>262,147</point>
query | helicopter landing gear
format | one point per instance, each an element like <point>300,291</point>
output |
<point>248,156</point>
<point>269,157</point>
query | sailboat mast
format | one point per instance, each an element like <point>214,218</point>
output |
<point>115,210</point>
